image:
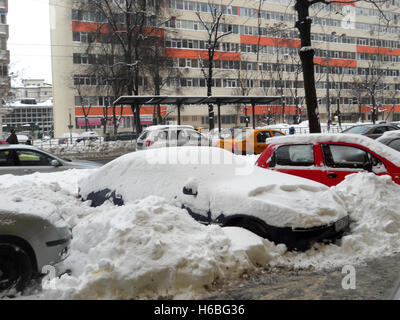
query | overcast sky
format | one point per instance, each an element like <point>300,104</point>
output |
<point>29,41</point>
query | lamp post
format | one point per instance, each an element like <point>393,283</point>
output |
<point>70,126</point>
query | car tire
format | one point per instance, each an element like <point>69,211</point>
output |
<point>15,268</point>
<point>253,226</point>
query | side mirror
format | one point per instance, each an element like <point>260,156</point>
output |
<point>55,163</point>
<point>189,192</point>
<point>367,166</point>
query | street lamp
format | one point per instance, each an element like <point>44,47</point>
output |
<point>70,126</point>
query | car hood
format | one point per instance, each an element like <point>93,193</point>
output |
<point>225,184</point>
<point>82,164</point>
<point>13,206</point>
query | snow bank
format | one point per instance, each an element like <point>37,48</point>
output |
<point>152,249</point>
<point>373,204</point>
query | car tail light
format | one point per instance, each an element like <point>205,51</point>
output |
<point>148,143</point>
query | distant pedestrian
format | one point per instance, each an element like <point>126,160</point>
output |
<point>291,130</point>
<point>29,141</point>
<point>12,139</point>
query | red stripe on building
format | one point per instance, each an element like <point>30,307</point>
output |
<point>80,26</point>
<point>194,54</point>
<point>268,41</point>
<point>378,50</point>
<point>343,2</point>
<point>127,111</point>
<point>336,62</point>
<point>274,109</point>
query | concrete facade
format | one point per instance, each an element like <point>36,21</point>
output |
<point>247,63</point>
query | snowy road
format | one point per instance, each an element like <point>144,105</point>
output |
<point>374,281</point>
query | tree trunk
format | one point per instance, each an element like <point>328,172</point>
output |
<point>209,92</point>
<point>307,60</point>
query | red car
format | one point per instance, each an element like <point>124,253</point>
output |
<point>3,141</point>
<point>329,158</point>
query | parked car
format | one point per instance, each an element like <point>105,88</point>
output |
<point>24,159</point>
<point>66,137</point>
<point>329,158</point>
<point>2,141</point>
<point>216,186</point>
<point>249,141</point>
<point>32,235</point>
<point>391,139</point>
<point>124,136</point>
<point>88,136</point>
<point>372,131</point>
<point>170,136</point>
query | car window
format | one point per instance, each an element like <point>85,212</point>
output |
<point>379,130</point>
<point>33,158</point>
<point>277,133</point>
<point>395,144</point>
<point>242,134</point>
<point>360,129</point>
<point>339,156</point>
<point>294,155</point>
<point>262,136</point>
<point>8,158</point>
<point>182,135</point>
<point>388,128</point>
<point>162,135</point>
<point>144,135</point>
<point>193,135</point>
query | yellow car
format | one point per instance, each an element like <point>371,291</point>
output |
<point>249,141</point>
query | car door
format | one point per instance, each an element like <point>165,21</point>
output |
<point>342,160</point>
<point>21,162</point>
<point>259,143</point>
<point>296,159</point>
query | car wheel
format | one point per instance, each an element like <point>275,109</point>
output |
<point>15,268</point>
<point>253,226</point>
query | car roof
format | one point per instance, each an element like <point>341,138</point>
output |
<point>161,127</point>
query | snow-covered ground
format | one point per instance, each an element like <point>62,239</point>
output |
<point>152,249</point>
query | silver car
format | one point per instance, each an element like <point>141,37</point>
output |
<point>170,136</point>
<point>20,159</point>
<point>32,235</point>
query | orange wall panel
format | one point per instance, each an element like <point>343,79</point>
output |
<point>194,54</point>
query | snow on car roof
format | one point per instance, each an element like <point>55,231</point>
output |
<point>377,147</point>
<point>390,134</point>
<point>160,127</point>
<point>225,183</point>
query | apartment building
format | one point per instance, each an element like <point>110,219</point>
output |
<point>36,89</point>
<point>259,56</point>
<point>4,58</point>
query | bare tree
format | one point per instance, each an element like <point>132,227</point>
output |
<point>303,24</point>
<point>216,30</point>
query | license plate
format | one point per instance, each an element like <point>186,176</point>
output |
<point>341,224</point>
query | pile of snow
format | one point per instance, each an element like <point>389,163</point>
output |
<point>372,202</point>
<point>88,146</point>
<point>151,249</point>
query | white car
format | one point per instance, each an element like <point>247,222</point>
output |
<point>170,136</point>
<point>216,186</point>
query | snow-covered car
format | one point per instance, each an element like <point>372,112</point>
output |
<point>170,136</point>
<point>216,186</point>
<point>329,158</point>
<point>88,136</point>
<point>391,139</point>
<point>68,137</point>
<point>32,235</point>
<point>20,159</point>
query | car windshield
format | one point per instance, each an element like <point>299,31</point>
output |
<point>242,134</point>
<point>360,129</point>
<point>144,135</point>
